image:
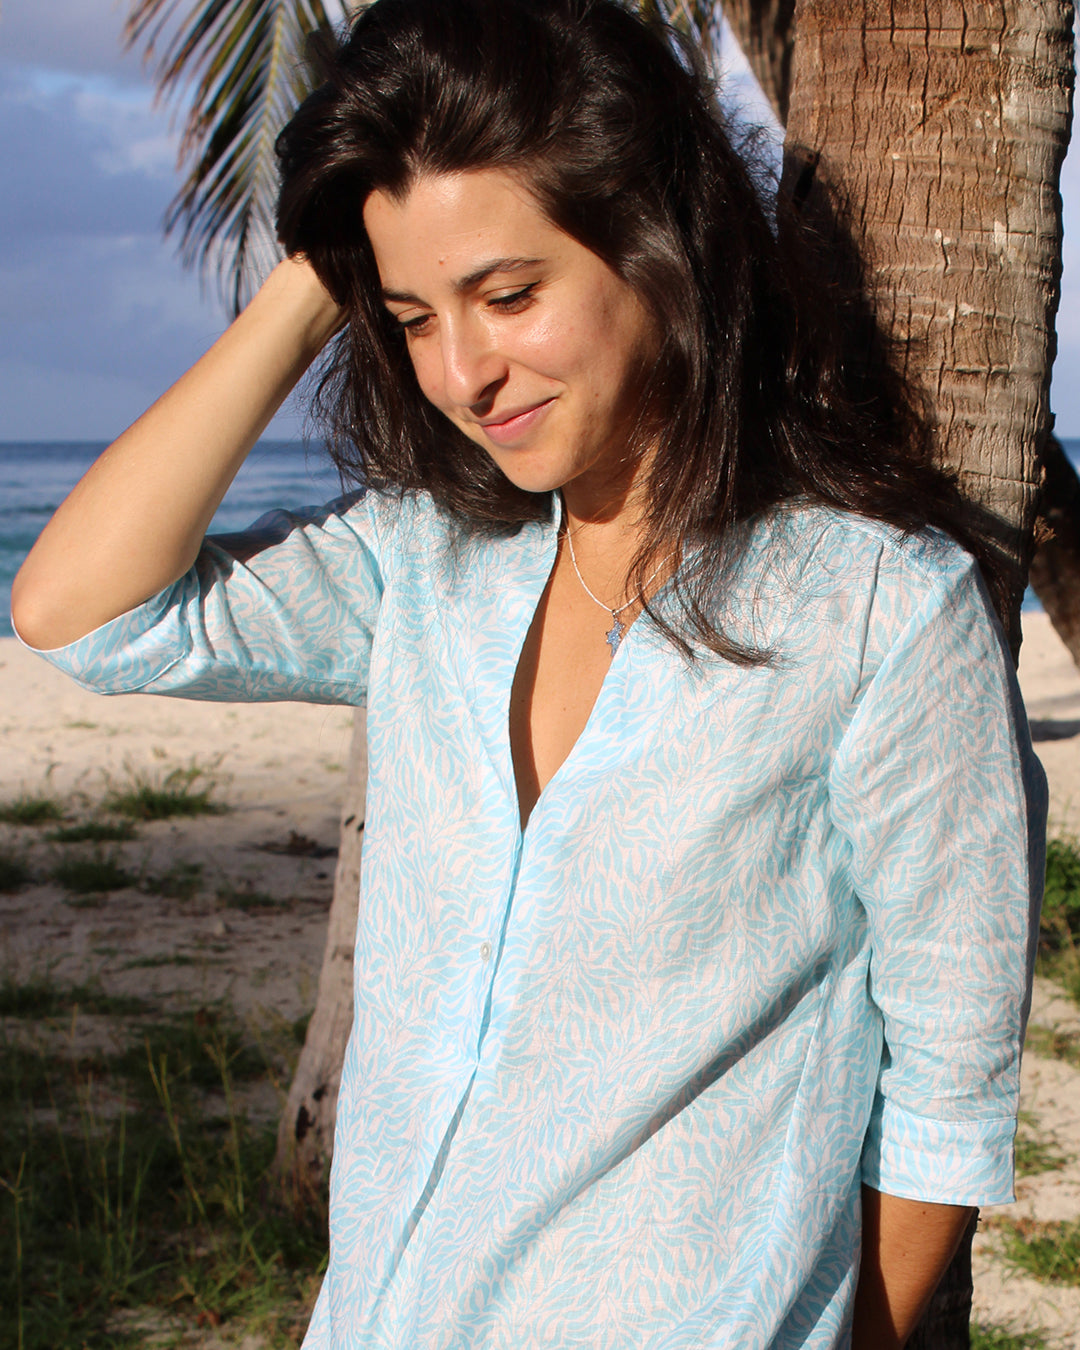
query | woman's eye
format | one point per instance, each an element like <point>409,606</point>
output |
<point>515,303</point>
<point>417,326</point>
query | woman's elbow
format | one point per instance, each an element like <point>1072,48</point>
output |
<point>40,616</point>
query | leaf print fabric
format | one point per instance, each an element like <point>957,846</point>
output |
<point>615,1081</point>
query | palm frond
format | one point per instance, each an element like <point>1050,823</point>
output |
<point>237,68</point>
<point>700,20</point>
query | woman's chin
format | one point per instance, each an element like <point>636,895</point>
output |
<point>536,476</point>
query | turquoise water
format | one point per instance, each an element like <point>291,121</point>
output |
<point>36,476</point>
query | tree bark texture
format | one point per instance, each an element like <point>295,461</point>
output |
<point>943,124</point>
<point>306,1130</point>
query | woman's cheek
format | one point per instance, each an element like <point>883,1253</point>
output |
<point>428,368</point>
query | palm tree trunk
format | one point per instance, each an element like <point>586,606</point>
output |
<point>945,127</point>
<point>306,1130</point>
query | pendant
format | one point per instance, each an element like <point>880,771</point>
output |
<point>614,637</point>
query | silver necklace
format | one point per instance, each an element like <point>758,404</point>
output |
<point>615,635</point>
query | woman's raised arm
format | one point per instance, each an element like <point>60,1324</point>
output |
<point>135,521</point>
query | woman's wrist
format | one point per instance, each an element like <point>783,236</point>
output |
<point>295,291</point>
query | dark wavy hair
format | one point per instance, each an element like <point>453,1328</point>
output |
<point>772,382</point>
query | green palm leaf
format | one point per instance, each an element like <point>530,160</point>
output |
<point>242,61</point>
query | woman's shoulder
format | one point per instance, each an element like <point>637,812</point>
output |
<point>826,545</point>
<point>813,578</point>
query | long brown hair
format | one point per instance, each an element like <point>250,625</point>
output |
<point>772,381</point>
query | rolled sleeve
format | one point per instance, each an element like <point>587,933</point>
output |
<point>948,1161</point>
<point>283,611</point>
<point>938,792</point>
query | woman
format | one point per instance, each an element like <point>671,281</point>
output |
<point>703,833</point>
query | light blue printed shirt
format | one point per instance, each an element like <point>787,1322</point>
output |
<point>614,1080</point>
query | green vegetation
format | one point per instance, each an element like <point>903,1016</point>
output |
<point>92,874</point>
<point>1059,955</point>
<point>180,882</point>
<point>1053,1044</point>
<point>13,872</point>
<point>39,996</point>
<point>1047,1251</point>
<point>244,896</point>
<point>29,810</point>
<point>1001,1338</point>
<point>134,1192</point>
<point>94,832</point>
<point>1033,1153</point>
<point>181,792</point>
<point>162,959</point>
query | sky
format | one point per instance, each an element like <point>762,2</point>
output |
<point>97,314</point>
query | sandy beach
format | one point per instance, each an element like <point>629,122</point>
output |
<point>251,886</point>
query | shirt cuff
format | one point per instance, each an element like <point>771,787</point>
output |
<point>127,653</point>
<point>945,1162</point>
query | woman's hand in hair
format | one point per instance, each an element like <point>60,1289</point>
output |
<point>135,521</point>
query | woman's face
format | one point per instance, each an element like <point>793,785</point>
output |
<point>525,339</point>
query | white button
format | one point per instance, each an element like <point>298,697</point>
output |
<point>485,951</point>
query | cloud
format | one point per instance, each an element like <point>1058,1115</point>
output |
<point>92,330</point>
<point>82,36</point>
<point>97,315</point>
<point>78,161</point>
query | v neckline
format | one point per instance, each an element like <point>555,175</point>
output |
<point>552,555</point>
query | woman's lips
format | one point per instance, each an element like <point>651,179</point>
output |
<point>512,428</point>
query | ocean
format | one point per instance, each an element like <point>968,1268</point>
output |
<point>36,476</point>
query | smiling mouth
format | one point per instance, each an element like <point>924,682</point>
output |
<point>509,428</point>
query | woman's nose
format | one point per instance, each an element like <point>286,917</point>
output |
<point>473,369</point>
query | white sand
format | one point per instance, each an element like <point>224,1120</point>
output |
<point>280,767</point>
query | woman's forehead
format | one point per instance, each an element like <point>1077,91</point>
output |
<point>456,229</point>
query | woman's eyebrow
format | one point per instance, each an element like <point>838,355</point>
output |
<point>466,283</point>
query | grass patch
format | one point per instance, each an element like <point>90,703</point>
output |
<point>13,872</point>
<point>164,959</point>
<point>245,896</point>
<point>1032,1152</point>
<point>182,792</point>
<point>1059,931</point>
<point>180,882</point>
<point>990,1337</point>
<point>1053,1044</point>
<point>1047,1251</point>
<point>123,1206</point>
<point>92,875</point>
<point>41,997</point>
<point>200,1047</point>
<point>29,810</point>
<point>94,832</point>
